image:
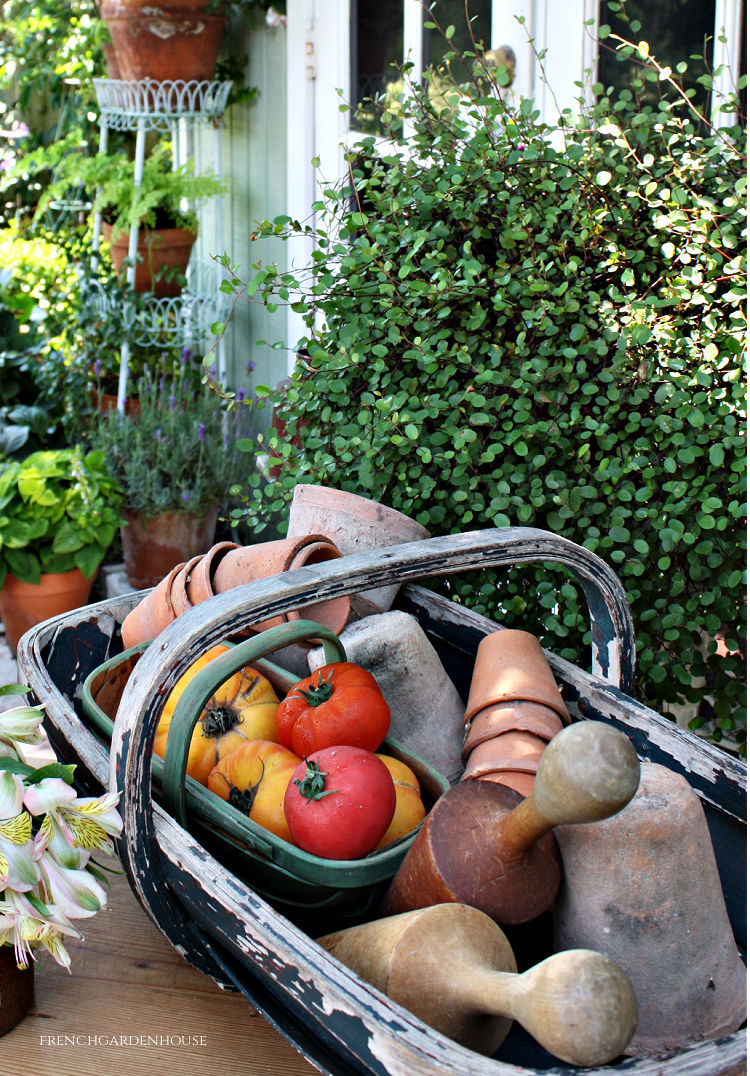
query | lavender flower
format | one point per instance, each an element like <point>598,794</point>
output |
<point>201,431</point>
<point>186,355</point>
<point>240,395</point>
<point>97,367</point>
<point>172,401</point>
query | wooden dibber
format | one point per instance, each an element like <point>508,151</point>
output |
<point>454,968</point>
<point>483,844</point>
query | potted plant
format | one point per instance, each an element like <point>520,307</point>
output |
<point>59,513</point>
<point>48,839</point>
<point>176,459</point>
<point>162,205</point>
<point>174,39</point>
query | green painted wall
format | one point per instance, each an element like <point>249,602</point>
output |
<point>253,155</point>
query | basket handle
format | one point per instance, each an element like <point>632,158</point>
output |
<point>200,689</point>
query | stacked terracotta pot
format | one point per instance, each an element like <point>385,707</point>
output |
<point>227,565</point>
<point>324,523</point>
<point>514,710</point>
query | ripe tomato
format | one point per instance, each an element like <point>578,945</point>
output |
<point>254,778</point>
<point>339,802</point>
<point>409,807</point>
<point>339,704</point>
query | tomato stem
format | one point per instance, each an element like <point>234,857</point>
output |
<point>243,799</point>
<point>218,720</point>
<point>317,694</point>
<point>313,785</point>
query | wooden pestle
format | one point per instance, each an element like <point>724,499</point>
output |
<point>483,844</point>
<point>452,967</point>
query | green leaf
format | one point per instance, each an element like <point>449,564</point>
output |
<point>65,772</point>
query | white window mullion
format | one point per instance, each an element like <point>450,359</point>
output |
<point>728,24</point>
<point>414,16</point>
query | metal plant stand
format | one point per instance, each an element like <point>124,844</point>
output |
<point>181,109</point>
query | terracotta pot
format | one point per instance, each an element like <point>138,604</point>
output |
<point>110,57</point>
<point>151,547</point>
<point>249,563</point>
<point>168,40</point>
<point>104,402</point>
<point>510,666</point>
<point>520,782</point>
<point>532,717</point>
<point>16,989</point>
<point>644,888</point>
<point>163,255</point>
<point>22,605</point>
<point>509,751</point>
<point>200,583</point>
<point>178,591</point>
<point>152,614</point>
<point>355,525</point>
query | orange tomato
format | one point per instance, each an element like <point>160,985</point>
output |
<point>409,807</point>
<point>253,778</point>
<point>243,708</point>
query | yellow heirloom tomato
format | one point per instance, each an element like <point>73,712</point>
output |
<point>243,708</point>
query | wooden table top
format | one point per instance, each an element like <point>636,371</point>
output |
<point>127,987</point>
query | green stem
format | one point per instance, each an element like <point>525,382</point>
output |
<point>317,694</point>
<point>313,785</point>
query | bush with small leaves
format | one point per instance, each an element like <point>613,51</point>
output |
<point>512,324</point>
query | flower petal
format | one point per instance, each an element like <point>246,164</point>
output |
<point>51,794</point>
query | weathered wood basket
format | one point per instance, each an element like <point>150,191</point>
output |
<point>222,925</point>
<point>294,879</point>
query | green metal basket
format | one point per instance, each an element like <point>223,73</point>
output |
<point>274,867</point>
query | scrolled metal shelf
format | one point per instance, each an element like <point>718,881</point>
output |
<point>182,320</point>
<point>159,105</point>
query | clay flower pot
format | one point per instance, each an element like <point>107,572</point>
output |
<point>200,585</point>
<point>531,717</point>
<point>152,546</point>
<point>510,666</point>
<point>519,781</point>
<point>355,525</point>
<point>16,989</point>
<point>166,41</point>
<point>246,564</point>
<point>178,592</point>
<point>152,614</point>
<point>509,751</point>
<point>22,605</point>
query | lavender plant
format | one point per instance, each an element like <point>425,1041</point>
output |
<point>179,452</point>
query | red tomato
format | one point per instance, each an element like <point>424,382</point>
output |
<point>340,802</point>
<point>339,704</point>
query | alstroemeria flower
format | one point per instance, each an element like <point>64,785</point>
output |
<point>76,893</point>
<point>71,822</point>
<point>11,794</point>
<point>20,724</point>
<point>24,926</point>
<point>17,867</point>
